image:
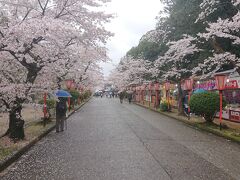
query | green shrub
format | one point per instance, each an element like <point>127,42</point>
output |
<point>75,95</point>
<point>164,106</point>
<point>87,94</point>
<point>50,103</point>
<point>205,104</point>
<point>81,97</point>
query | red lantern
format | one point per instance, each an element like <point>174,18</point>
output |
<point>69,83</point>
<point>220,81</point>
<point>188,84</point>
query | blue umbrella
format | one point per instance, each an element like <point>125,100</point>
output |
<point>199,91</point>
<point>62,93</point>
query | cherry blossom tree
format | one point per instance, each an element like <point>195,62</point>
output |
<point>224,35</point>
<point>35,38</point>
<point>130,71</point>
<point>177,63</point>
<point>177,59</point>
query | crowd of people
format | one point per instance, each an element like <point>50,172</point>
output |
<point>120,94</point>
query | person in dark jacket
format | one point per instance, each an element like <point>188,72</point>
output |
<point>130,96</point>
<point>121,97</point>
<point>61,109</point>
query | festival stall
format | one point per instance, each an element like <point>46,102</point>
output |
<point>231,94</point>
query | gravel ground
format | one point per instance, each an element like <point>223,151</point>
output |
<point>107,140</point>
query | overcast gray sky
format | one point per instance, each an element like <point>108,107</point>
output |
<point>134,18</point>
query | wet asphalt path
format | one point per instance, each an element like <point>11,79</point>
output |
<point>109,141</point>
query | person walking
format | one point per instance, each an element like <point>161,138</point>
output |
<point>130,95</point>
<point>121,96</point>
<point>61,109</point>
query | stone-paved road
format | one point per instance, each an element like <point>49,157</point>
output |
<point>109,141</point>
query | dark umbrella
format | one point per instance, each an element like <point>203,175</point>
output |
<point>62,93</point>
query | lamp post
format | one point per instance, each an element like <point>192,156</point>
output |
<point>167,88</point>
<point>220,83</point>
<point>188,87</point>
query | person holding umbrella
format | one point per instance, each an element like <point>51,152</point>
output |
<point>61,109</point>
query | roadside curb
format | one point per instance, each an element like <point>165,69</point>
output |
<point>16,155</point>
<point>193,125</point>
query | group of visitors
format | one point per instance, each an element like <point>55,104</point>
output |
<point>111,94</point>
<point>127,95</point>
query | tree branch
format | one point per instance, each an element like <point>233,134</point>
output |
<point>26,15</point>
<point>40,4</point>
<point>60,13</point>
<point>69,43</point>
<point>1,33</point>
<point>45,7</point>
<point>85,70</point>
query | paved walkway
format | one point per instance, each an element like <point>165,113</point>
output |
<point>109,141</point>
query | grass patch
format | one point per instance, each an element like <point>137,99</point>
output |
<point>4,152</point>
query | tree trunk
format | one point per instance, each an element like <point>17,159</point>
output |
<point>59,80</point>
<point>180,99</point>
<point>16,124</point>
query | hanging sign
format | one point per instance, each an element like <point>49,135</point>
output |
<point>209,85</point>
<point>232,84</point>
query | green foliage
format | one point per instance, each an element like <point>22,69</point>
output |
<point>146,50</point>
<point>87,94</point>
<point>50,103</point>
<point>181,19</point>
<point>164,106</point>
<point>206,104</point>
<point>75,94</point>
